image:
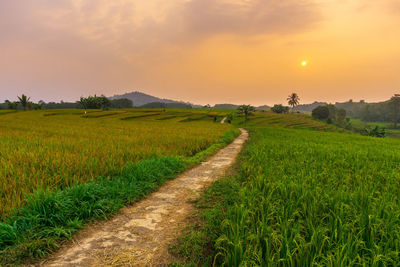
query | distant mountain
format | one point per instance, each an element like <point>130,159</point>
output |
<point>226,106</point>
<point>233,106</point>
<point>309,107</point>
<point>263,107</point>
<point>140,99</point>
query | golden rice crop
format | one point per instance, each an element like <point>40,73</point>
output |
<point>60,148</point>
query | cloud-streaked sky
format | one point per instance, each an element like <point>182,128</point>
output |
<point>203,51</point>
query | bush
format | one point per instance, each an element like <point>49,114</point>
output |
<point>321,113</point>
<point>280,109</point>
<point>229,118</point>
<point>95,102</point>
<point>376,132</point>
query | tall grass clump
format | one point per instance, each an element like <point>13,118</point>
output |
<point>305,198</point>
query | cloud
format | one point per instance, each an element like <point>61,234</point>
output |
<point>252,17</point>
<point>128,27</point>
<point>91,44</point>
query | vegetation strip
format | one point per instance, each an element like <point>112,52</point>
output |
<point>50,217</point>
<point>140,116</point>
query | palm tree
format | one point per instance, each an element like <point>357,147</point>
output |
<point>24,101</point>
<point>293,100</point>
<point>246,110</point>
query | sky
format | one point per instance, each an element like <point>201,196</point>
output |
<point>202,51</point>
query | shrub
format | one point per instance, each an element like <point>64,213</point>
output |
<point>321,113</point>
<point>376,132</point>
<point>280,109</point>
<point>229,118</point>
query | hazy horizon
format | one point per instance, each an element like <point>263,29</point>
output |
<point>201,51</point>
<point>284,102</point>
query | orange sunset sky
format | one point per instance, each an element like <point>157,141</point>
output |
<point>202,51</point>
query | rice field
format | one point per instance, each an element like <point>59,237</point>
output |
<point>60,148</point>
<point>291,120</point>
<point>303,198</point>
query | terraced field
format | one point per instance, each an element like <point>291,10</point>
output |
<point>296,121</point>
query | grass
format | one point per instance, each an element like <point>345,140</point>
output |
<point>291,120</point>
<point>39,151</point>
<point>51,215</point>
<point>360,126</point>
<point>302,197</point>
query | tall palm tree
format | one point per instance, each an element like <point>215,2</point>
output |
<point>24,101</point>
<point>246,110</point>
<point>293,100</point>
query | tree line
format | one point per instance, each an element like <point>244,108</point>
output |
<point>387,111</point>
<point>90,102</point>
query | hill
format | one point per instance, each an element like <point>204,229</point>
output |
<point>140,99</point>
<point>309,107</point>
<point>263,107</point>
<point>226,106</point>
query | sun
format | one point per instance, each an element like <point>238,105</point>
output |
<point>304,63</point>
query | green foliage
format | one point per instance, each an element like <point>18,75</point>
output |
<point>307,198</point>
<point>35,229</point>
<point>229,118</point>
<point>95,102</point>
<point>12,105</point>
<point>321,113</point>
<point>376,132</point>
<point>394,105</point>
<point>246,111</point>
<point>330,113</point>
<point>341,115</point>
<point>37,106</point>
<point>196,244</point>
<point>280,109</point>
<point>387,111</point>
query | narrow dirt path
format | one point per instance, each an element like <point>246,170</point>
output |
<point>141,234</point>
